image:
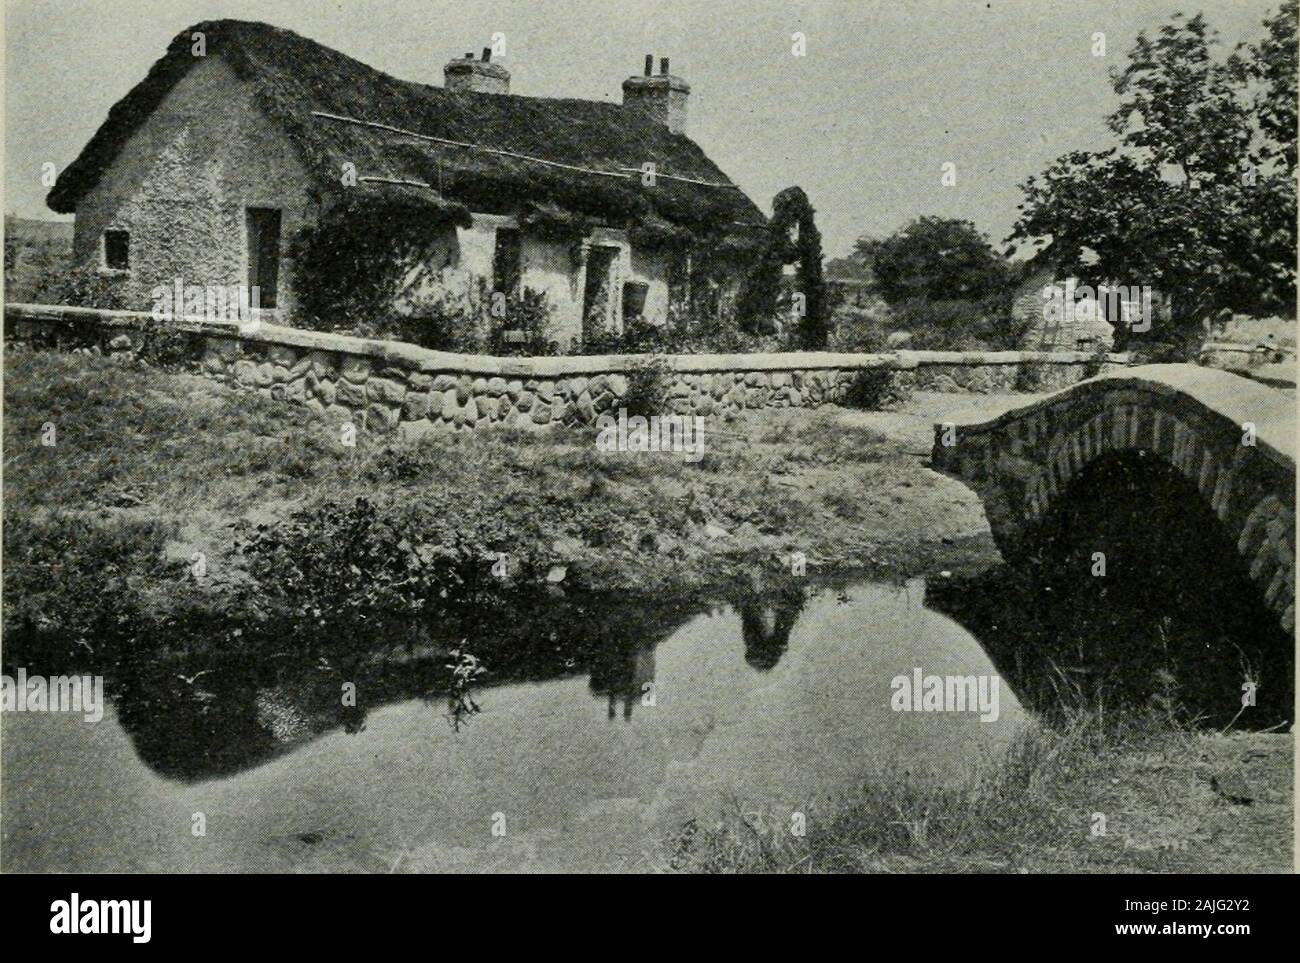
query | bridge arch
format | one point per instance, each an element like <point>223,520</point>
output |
<point>1231,437</point>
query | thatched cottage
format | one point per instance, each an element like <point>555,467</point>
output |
<point>246,143</point>
<point>1092,319</point>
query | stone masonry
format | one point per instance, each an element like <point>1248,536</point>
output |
<point>1233,438</point>
<point>387,386</point>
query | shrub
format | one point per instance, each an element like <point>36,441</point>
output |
<point>958,325</point>
<point>873,389</point>
<point>347,572</point>
<point>528,313</point>
<point>648,384</point>
<point>861,328</point>
<point>364,575</point>
<point>1030,376</point>
<point>85,287</point>
<point>1095,363</point>
<point>355,263</point>
<point>167,347</point>
<point>76,581</point>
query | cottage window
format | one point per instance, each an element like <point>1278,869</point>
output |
<point>117,250</point>
<point>263,255</point>
<point>507,262</point>
<point>634,295</point>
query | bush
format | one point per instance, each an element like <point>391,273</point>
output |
<point>959,326</point>
<point>366,575</point>
<point>873,389</point>
<point>1095,363</point>
<point>861,328</point>
<point>348,572</point>
<point>78,582</point>
<point>167,347</point>
<point>527,313</point>
<point>648,384</point>
<point>85,287</point>
<point>1030,376</point>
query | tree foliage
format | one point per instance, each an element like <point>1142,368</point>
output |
<point>1199,198</point>
<point>934,259</point>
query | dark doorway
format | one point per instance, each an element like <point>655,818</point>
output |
<point>264,254</point>
<point>507,262</point>
<point>597,299</point>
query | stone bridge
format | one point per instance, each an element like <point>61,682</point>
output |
<point>1231,437</point>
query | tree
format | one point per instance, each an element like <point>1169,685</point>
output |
<point>792,238</point>
<point>1199,199</point>
<point>934,259</point>
<point>791,207</point>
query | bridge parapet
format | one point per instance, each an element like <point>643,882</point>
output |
<point>1233,438</point>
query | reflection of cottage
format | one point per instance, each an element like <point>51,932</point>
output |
<point>624,673</point>
<point>243,134</point>
<point>766,624</point>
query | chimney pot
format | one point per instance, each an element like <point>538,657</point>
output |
<point>477,76</point>
<point>661,99</point>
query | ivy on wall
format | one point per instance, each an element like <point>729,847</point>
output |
<point>351,265</point>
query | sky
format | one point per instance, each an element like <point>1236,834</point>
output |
<point>885,94</point>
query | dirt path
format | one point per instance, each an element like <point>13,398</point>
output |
<point>913,424</point>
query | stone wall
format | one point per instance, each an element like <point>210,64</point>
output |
<point>385,385</point>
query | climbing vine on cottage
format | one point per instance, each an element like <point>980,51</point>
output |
<point>352,264</point>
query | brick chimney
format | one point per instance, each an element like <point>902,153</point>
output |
<point>660,97</point>
<point>479,76</point>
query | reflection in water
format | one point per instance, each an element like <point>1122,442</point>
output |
<point>200,719</point>
<point>781,697</point>
<point>780,700</point>
<point>205,717</point>
<point>624,672</point>
<point>766,624</point>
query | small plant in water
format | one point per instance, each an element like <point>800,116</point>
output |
<point>465,671</point>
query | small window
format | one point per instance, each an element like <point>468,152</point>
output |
<point>507,262</point>
<point>117,250</point>
<point>634,295</point>
<point>264,254</point>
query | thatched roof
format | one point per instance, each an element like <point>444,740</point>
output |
<point>496,164</point>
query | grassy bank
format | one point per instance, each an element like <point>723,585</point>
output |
<point>117,479</point>
<point>158,468</point>
<point>1138,795</point>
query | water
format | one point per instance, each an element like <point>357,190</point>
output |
<point>776,704</point>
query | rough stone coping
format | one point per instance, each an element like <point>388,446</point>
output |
<point>1280,375</point>
<point>414,358</point>
<point>1247,347</point>
<point>1231,397</point>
